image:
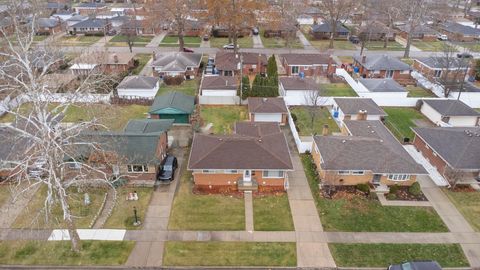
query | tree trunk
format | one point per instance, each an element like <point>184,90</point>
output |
<point>407,48</point>
<point>332,35</point>
<point>181,41</point>
<point>74,237</point>
<point>235,41</point>
<point>362,47</point>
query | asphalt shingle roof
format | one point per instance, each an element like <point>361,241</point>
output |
<point>443,62</point>
<point>354,105</point>
<point>219,83</point>
<point>174,100</point>
<point>266,105</point>
<point>297,83</point>
<point>230,60</point>
<point>177,61</point>
<point>91,23</point>
<point>381,62</point>
<point>138,82</point>
<point>306,59</point>
<point>460,28</point>
<point>327,28</point>
<point>451,107</point>
<point>382,85</point>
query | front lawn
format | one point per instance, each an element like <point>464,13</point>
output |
<point>39,38</point>
<point>122,216</point>
<point>78,40</point>
<point>59,253</point>
<point>337,90</point>
<point>244,42</point>
<point>205,212</point>
<point>430,46</point>
<point>471,46</point>
<point>359,214</point>
<point>303,121</point>
<point>172,41</point>
<point>272,213</point>
<point>382,255</point>
<point>229,254</point>
<point>278,42</point>
<point>378,46</point>
<point>223,117</point>
<point>143,59</point>
<point>188,87</point>
<point>418,91</point>
<point>401,120</point>
<point>337,44</point>
<point>5,193</point>
<point>468,203</point>
<point>121,41</point>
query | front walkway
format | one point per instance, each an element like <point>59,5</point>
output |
<point>156,40</point>
<point>403,42</point>
<point>102,42</point>
<point>304,40</point>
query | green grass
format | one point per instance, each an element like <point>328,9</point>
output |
<point>346,59</point>
<point>337,44</point>
<point>33,216</point>
<point>382,255</point>
<point>278,42</point>
<point>337,90</point>
<point>401,120</point>
<point>205,212</point>
<point>245,42</point>
<point>122,216</point>
<point>59,253</point>
<point>272,213</point>
<point>408,61</point>
<point>188,87</point>
<point>378,46</point>
<point>114,117</point>
<point>143,59</point>
<point>172,41</point>
<point>187,45</point>
<point>417,91</point>
<point>430,46</point>
<point>223,117</point>
<point>472,46</point>
<point>229,254</point>
<point>359,214</point>
<point>39,38</point>
<point>468,203</point>
<point>303,122</point>
<point>78,40</point>
<point>121,41</point>
<point>5,193</point>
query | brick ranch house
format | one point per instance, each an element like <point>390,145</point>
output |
<point>367,154</point>
<point>453,151</point>
<point>382,66</point>
<point>434,68</point>
<point>110,63</point>
<point>308,64</point>
<point>175,64</point>
<point>255,158</point>
<point>228,63</point>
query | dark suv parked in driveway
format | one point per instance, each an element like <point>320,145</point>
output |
<point>167,169</point>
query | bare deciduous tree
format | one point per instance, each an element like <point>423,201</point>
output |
<point>415,12</point>
<point>176,12</point>
<point>336,11</point>
<point>314,101</point>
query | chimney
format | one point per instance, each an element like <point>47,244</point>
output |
<point>362,115</point>
<point>115,58</point>
<point>154,56</point>
<point>364,59</point>
<point>259,62</point>
<point>325,130</point>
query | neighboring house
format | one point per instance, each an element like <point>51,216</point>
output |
<point>173,105</point>
<point>255,158</point>
<point>90,8</point>
<point>136,152</point>
<point>450,113</point>
<point>111,63</point>
<point>367,154</point>
<point>60,82</point>
<point>229,63</point>
<point>453,151</point>
<point>138,86</point>
<point>74,20</point>
<point>297,87</point>
<point>261,109</point>
<point>219,86</point>
<point>48,26</point>
<point>324,31</point>
<point>7,26</point>
<point>283,30</point>
<point>57,6</point>
<point>177,64</point>
<point>304,19</point>
<point>376,31</point>
<point>421,32</point>
<point>63,15</point>
<point>460,32</point>
<point>389,87</point>
<point>382,66</point>
<point>224,31</point>
<point>434,68</point>
<point>357,109</point>
<point>90,27</point>
<point>308,64</point>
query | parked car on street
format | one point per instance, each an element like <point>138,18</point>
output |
<point>416,265</point>
<point>255,31</point>
<point>442,37</point>
<point>354,39</point>
<point>187,50</point>
<point>230,46</point>
<point>167,169</point>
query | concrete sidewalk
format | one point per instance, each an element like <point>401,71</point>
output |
<point>403,42</point>
<point>156,40</point>
<point>248,198</point>
<point>304,40</point>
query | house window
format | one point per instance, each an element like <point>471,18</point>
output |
<point>227,73</point>
<point>272,174</point>
<point>137,168</point>
<point>231,171</point>
<point>295,70</point>
<point>389,74</point>
<point>189,68</point>
<point>358,172</point>
<point>399,177</point>
<point>437,73</point>
<point>343,172</point>
<point>405,72</point>
<point>208,171</point>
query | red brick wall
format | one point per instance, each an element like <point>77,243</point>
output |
<point>428,153</point>
<point>312,71</point>
<point>222,181</point>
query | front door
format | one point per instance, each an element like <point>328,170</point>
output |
<point>247,176</point>
<point>376,179</point>
<point>389,74</point>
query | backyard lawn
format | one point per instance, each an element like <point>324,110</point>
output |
<point>188,87</point>
<point>401,120</point>
<point>359,214</point>
<point>229,254</point>
<point>122,216</point>
<point>59,253</point>
<point>5,193</point>
<point>78,40</point>
<point>430,46</point>
<point>272,213</point>
<point>33,216</point>
<point>337,90</point>
<point>39,38</point>
<point>381,255</point>
<point>468,203</point>
<point>121,41</point>
<point>205,212</point>
<point>408,61</point>
<point>223,117</point>
<point>172,41</point>
<point>244,42</point>
<point>346,59</point>
<point>143,59</point>
<point>337,44</point>
<point>418,91</point>
<point>303,122</point>
<point>378,46</point>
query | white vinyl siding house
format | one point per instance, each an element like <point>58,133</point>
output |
<point>448,121</point>
<point>268,117</point>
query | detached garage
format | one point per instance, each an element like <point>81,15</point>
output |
<point>449,113</point>
<point>173,105</point>
<point>267,110</point>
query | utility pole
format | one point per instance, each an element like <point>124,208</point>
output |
<point>240,64</point>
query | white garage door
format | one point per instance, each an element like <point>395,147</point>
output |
<point>268,117</point>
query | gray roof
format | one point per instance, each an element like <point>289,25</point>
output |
<point>148,126</point>
<point>451,107</point>
<point>354,105</point>
<point>460,29</point>
<point>370,147</point>
<point>219,83</point>
<point>177,61</point>
<point>90,5</point>
<point>47,22</point>
<point>94,23</point>
<point>297,83</point>
<point>307,59</point>
<point>77,18</point>
<point>327,28</point>
<point>382,85</point>
<point>266,105</point>
<point>138,82</point>
<point>174,100</point>
<point>459,147</point>
<point>421,29</point>
<point>437,62</point>
<point>256,129</point>
<point>381,62</point>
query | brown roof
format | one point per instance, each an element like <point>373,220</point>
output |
<point>306,59</point>
<point>354,105</point>
<point>268,151</point>
<point>230,60</point>
<point>219,83</point>
<point>256,129</point>
<point>297,83</point>
<point>266,105</point>
<point>451,107</point>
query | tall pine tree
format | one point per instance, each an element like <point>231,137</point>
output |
<point>272,70</point>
